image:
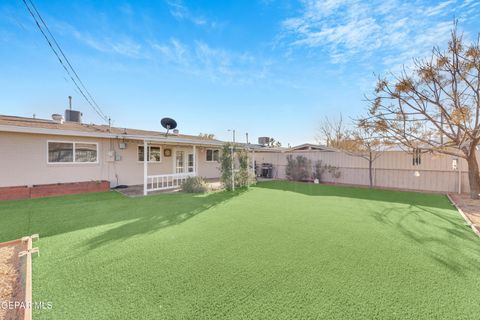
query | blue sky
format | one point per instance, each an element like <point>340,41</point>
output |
<point>266,67</point>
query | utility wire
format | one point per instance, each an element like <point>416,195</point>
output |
<point>91,101</point>
<point>66,59</point>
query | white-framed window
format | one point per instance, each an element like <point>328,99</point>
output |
<point>417,157</point>
<point>191,163</point>
<point>72,152</point>
<point>213,155</point>
<point>154,154</point>
<point>179,161</point>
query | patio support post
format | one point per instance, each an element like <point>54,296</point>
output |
<point>194,160</point>
<point>233,161</point>
<point>253,164</point>
<point>145,167</point>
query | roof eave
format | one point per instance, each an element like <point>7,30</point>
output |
<point>107,135</point>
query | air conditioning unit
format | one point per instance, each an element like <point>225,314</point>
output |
<point>263,140</point>
<point>122,145</point>
<point>73,116</point>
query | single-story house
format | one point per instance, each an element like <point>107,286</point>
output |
<point>40,152</point>
<point>53,153</point>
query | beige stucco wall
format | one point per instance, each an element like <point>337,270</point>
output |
<point>23,161</point>
<point>207,169</point>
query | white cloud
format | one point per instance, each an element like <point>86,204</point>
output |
<point>215,63</point>
<point>123,46</point>
<point>181,12</point>
<point>174,51</point>
<point>354,29</point>
<point>117,44</point>
<point>439,9</point>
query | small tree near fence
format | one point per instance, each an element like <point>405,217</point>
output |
<point>361,141</point>
<point>243,176</point>
<point>226,166</point>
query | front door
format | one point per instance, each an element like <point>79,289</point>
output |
<point>180,162</point>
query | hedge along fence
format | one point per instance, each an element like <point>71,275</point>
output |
<point>391,170</point>
<point>428,180</point>
<point>300,168</point>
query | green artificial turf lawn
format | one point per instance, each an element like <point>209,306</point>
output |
<point>277,251</point>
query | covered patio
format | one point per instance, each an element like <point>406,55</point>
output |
<point>185,163</point>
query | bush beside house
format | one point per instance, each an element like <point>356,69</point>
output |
<point>195,185</point>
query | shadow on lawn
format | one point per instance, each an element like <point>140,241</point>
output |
<point>457,250</point>
<point>156,212</point>
<point>58,215</point>
<point>310,189</point>
<point>425,219</point>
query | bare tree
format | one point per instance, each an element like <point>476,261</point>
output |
<point>361,141</point>
<point>365,143</point>
<point>331,131</point>
<point>435,106</point>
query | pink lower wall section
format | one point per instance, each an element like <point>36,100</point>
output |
<point>48,190</point>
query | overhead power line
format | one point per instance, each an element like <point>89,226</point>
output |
<point>57,50</point>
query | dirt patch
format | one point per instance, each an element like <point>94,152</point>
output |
<point>470,208</point>
<point>11,290</point>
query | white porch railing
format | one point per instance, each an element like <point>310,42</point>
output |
<point>167,181</point>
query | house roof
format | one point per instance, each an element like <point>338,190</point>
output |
<point>311,147</point>
<point>44,126</point>
<point>262,148</point>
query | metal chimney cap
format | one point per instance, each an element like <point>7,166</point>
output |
<point>57,118</point>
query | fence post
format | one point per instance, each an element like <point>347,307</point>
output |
<point>28,273</point>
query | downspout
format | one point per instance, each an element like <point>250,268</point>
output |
<point>253,165</point>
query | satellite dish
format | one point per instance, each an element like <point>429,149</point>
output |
<point>168,123</point>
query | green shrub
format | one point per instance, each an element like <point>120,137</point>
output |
<point>226,165</point>
<point>318,170</point>
<point>241,163</point>
<point>298,169</point>
<point>243,176</point>
<point>194,185</point>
